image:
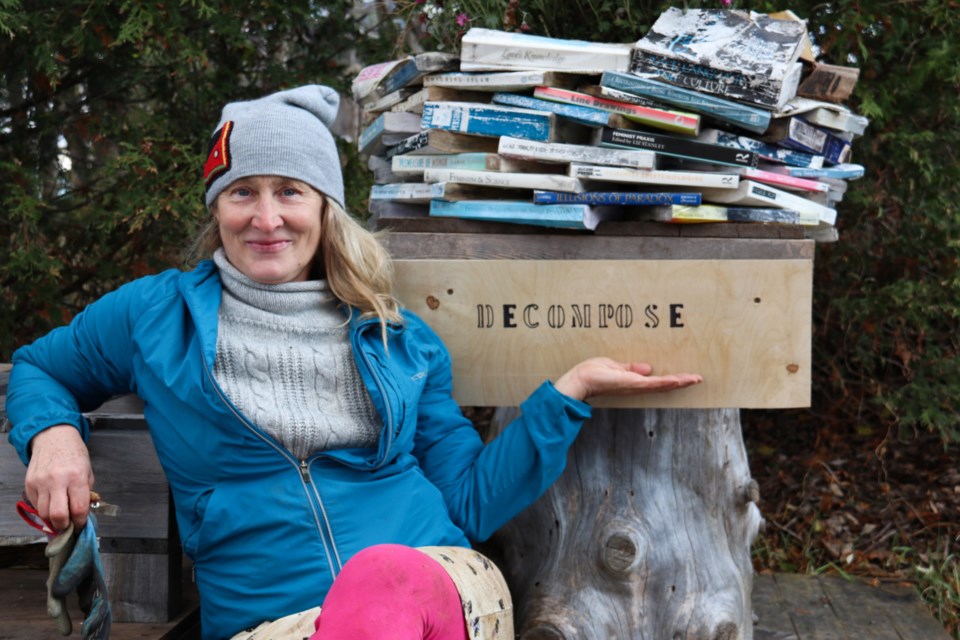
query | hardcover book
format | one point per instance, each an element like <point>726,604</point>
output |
<point>438,141</point>
<point>733,54</point>
<point>653,176</point>
<point>566,153</point>
<point>750,193</point>
<point>677,147</point>
<point>488,49</point>
<point>567,216</point>
<point>489,120</point>
<point>617,198</point>
<point>679,122</point>
<point>766,151</point>
<point>750,118</point>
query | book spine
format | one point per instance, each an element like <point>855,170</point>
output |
<point>652,176</point>
<point>409,191</point>
<point>731,85</point>
<point>464,161</point>
<point>504,180</point>
<point>678,147</point>
<point>785,181</point>
<point>566,153</point>
<point>840,171</point>
<point>749,118</point>
<point>584,115</point>
<point>414,142</point>
<point>486,121</point>
<point>404,74</point>
<point>490,49</point>
<point>659,118</point>
<point>617,198</point>
<point>503,81</point>
<point>576,215</point>
<point>369,135</point>
<point>769,215</point>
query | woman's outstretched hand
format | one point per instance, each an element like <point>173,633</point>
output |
<point>607,377</point>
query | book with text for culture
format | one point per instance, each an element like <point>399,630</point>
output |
<point>738,55</point>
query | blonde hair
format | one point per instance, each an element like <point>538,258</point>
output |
<point>354,262</point>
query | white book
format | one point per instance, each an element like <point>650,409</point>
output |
<point>413,103</point>
<point>566,153</point>
<point>500,81</point>
<point>754,194</point>
<point>719,181</point>
<point>545,181</point>
<point>825,114</point>
<point>403,192</point>
<point>488,49</point>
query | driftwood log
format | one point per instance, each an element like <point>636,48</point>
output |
<point>646,535</point>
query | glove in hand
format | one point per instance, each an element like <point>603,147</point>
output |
<point>83,572</point>
<point>58,550</point>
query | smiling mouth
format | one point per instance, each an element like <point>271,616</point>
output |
<point>268,246</point>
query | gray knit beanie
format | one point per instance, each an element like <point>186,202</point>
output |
<point>284,134</point>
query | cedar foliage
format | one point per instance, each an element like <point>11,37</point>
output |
<point>129,92</point>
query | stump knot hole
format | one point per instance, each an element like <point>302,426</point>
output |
<point>620,550</point>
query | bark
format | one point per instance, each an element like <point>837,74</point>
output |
<point>646,535</point>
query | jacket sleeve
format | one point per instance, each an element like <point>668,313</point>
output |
<point>72,369</point>
<point>487,485</point>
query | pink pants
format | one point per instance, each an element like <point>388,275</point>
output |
<point>391,591</point>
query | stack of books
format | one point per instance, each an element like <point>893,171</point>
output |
<point>713,116</point>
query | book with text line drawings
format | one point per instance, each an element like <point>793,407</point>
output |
<point>675,146</point>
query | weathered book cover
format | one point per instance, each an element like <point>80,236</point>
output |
<point>766,151</point>
<point>733,54</point>
<point>377,80</point>
<point>750,193</point>
<point>718,213</point>
<point>654,176</point>
<point>675,121</point>
<point>567,216</point>
<point>584,115</point>
<point>407,164</point>
<point>742,115</point>
<point>438,141</point>
<point>488,120</point>
<point>503,80</point>
<point>617,198</point>
<point>566,153</point>
<point>796,133</point>
<point>781,180</point>
<point>388,129</point>
<point>489,49</point>
<point>503,180</point>
<point>676,147</point>
<point>828,82</point>
<point>840,171</point>
<point>824,114</point>
<point>403,192</point>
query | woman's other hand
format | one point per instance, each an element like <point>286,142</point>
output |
<point>607,377</point>
<point>59,477</point>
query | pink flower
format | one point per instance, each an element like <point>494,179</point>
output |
<point>726,3</point>
<point>462,19</point>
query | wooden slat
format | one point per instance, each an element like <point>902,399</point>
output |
<point>769,610</point>
<point>465,246</point>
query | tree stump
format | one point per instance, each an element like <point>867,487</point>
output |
<point>646,534</point>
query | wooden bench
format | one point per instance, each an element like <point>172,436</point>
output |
<point>140,548</point>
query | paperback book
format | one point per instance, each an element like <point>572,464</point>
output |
<point>489,120</point>
<point>837,171</point>
<point>736,55</point>
<point>548,181</point>
<point>567,216</point>
<point>750,193</point>
<point>718,213</point>
<point>411,165</point>
<point>766,151</point>
<point>617,198</point>
<point>750,118</point>
<point>825,114</point>
<point>796,133</point>
<point>488,49</point>
<point>686,123</point>
<point>388,129</point>
<point>438,141</point>
<point>676,147</point>
<point>503,80</point>
<point>566,153</point>
<point>696,179</point>
<point>584,115</point>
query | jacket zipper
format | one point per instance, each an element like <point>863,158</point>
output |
<point>381,388</point>
<point>333,559</point>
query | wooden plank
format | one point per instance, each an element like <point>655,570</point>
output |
<point>886,613</point>
<point>769,610</point>
<point>440,246</point>
<point>151,585</point>
<point>809,609</point>
<point>745,325</point>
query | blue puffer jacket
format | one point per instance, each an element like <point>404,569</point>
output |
<point>267,532</point>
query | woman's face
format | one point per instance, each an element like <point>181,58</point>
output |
<point>270,227</point>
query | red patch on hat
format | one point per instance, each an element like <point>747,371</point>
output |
<point>218,156</point>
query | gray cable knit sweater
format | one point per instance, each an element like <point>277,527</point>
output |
<point>284,358</point>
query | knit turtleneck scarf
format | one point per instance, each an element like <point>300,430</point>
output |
<point>284,359</point>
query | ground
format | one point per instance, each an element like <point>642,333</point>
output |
<point>877,505</point>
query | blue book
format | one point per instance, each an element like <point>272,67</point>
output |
<point>616,198</point>
<point>839,171</point>
<point>488,120</point>
<point>565,216</point>
<point>584,115</point>
<point>764,150</point>
<point>741,115</point>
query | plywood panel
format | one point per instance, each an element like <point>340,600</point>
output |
<point>745,325</point>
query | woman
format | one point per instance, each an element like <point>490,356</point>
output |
<point>301,416</point>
